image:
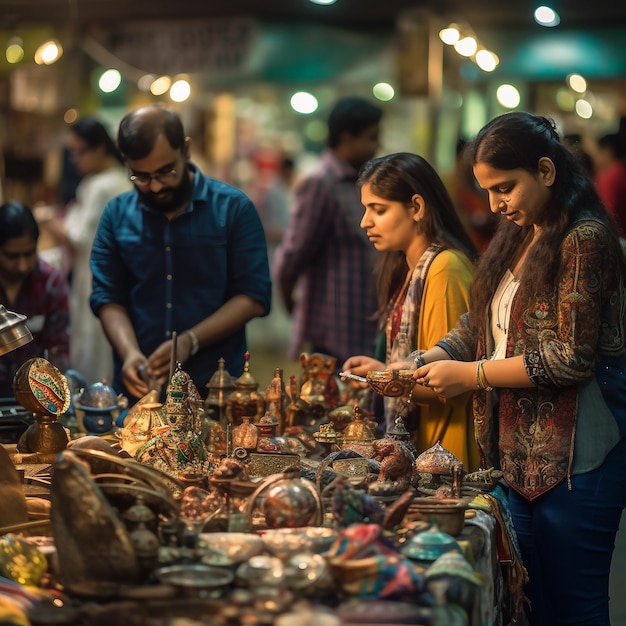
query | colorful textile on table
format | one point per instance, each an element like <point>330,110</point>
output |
<point>513,571</point>
<point>393,576</point>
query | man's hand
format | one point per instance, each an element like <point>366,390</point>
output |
<point>134,374</point>
<point>159,361</point>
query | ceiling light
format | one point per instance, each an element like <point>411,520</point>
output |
<point>15,50</point>
<point>48,52</point>
<point>383,91</point>
<point>508,96</point>
<point>110,81</point>
<point>323,1</point>
<point>584,109</point>
<point>143,84</point>
<point>160,85</point>
<point>450,35</point>
<point>304,102</point>
<point>545,16</point>
<point>180,90</point>
<point>577,83</point>
<point>466,47</point>
<point>486,61</point>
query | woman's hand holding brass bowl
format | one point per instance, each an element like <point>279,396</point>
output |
<point>391,383</point>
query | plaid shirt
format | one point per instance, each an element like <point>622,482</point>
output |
<point>43,298</point>
<point>328,256</point>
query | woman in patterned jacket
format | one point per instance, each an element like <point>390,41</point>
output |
<point>543,349</point>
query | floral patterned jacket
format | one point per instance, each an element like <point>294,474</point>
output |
<point>560,334</point>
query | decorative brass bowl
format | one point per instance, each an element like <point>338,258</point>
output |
<point>391,383</point>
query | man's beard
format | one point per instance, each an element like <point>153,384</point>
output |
<point>173,198</point>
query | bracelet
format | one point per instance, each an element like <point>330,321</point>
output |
<point>195,344</point>
<point>420,361</point>
<point>481,378</point>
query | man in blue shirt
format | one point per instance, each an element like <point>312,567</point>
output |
<point>180,253</point>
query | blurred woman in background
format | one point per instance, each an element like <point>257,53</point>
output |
<point>95,156</point>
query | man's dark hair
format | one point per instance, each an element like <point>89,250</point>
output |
<point>351,115</point>
<point>16,220</point>
<point>140,129</point>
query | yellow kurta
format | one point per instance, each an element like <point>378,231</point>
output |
<point>445,299</point>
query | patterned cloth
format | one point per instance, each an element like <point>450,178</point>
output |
<point>403,320</point>
<point>171,274</point>
<point>43,298</point>
<point>328,256</point>
<point>437,295</point>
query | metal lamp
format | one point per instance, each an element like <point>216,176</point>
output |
<point>13,331</point>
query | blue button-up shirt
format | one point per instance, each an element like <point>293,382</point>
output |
<point>172,274</point>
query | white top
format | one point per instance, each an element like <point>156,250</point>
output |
<point>90,352</point>
<point>501,312</point>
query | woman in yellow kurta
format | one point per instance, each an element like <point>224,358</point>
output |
<point>423,287</point>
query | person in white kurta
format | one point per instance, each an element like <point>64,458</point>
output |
<point>95,156</point>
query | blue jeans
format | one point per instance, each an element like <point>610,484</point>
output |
<point>567,540</point>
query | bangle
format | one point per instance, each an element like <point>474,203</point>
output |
<point>195,344</point>
<point>420,361</point>
<point>481,378</point>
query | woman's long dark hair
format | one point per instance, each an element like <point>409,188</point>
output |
<point>397,177</point>
<point>518,140</point>
<point>95,135</point>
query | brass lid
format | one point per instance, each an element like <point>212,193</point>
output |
<point>436,460</point>
<point>13,331</point>
<point>221,378</point>
<point>358,430</point>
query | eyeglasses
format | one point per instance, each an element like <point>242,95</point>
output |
<point>144,180</point>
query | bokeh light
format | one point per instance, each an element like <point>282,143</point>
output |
<point>180,90</point>
<point>304,102</point>
<point>383,91</point>
<point>15,50</point>
<point>584,109</point>
<point>110,80</point>
<point>70,116</point>
<point>577,83</point>
<point>466,47</point>
<point>48,52</point>
<point>508,96</point>
<point>486,61</point>
<point>160,85</point>
<point>545,16</point>
<point>450,35</point>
